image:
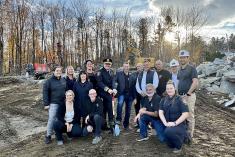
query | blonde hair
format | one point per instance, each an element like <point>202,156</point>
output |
<point>66,71</point>
<point>170,82</point>
<point>69,91</point>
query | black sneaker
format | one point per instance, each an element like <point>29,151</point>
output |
<point>136,126</point>
<point>105,128</point>
<point>48,140</point>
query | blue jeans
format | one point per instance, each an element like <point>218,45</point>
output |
<point>128,101</point>
<point>96,122</point>
<point>51,119</point>
<point>157,125</point>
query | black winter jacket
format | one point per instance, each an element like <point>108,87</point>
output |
<point>54,91</point>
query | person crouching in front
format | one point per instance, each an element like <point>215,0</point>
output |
<point>173,113</point>
<point>94,119</point>
<point>149,114</point>
<point>67,119</point>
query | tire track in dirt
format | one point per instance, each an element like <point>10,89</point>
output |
<point>17,114</point>
<point>214,135</point>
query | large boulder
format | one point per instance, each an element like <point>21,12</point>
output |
<point>230,76</point>
<point>208,81</point>
<point>208,69</point>
<point>213,88</point>
<point>218,61</point>
<point>225,69</point>
<point>227,86</point>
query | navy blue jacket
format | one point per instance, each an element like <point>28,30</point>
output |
<point>149,77</point>
<point>54,91</point>
<point>81,91</point>
<point>105,79</point>
<point>120,83</point>
<point>69,83</point>
<point>173,108</point>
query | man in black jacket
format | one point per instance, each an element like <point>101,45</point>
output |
<point>94,118</point>
<point>164,76</point>
<point>53,96</point>
<point>126,93</point>
<point>105,83</point>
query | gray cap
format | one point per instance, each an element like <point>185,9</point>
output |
<point>173,63</point>
<point>183,53</point>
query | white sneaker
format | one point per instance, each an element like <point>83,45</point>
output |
<point>96,140</point>
<point>142,139</point>
<point>175,150</point>
<point>59,143</point>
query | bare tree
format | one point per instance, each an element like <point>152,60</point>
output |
<point>195,20</point>
<point>1,35</point>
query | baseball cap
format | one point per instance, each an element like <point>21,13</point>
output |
<point>173,63</point>
<point>184,53</point>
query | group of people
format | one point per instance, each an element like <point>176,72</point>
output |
<point>163,100</point>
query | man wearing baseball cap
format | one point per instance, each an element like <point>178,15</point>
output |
<point>174,65</point>
<point>188,82</point>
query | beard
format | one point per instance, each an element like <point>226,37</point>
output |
<point>150,94</point>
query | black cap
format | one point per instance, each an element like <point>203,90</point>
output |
<point>108,60</point>
<point>88,60</point>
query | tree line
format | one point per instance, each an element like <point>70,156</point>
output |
<point>69,32</point>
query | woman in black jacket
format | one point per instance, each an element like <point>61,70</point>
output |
<point>174,113</point>
<point>70,78</point>
<point>89,67</point>
<point>67,119</point>
<point>81,89</point>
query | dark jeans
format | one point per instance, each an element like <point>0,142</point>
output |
<point>61,128</point>
<point>157,125</point>
<point>108,108</point>
<point>128,101</point>
<point>137,105</point>
<point>175,136</point>
<point>96,122</point>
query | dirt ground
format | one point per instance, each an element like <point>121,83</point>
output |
<point>23,125</point>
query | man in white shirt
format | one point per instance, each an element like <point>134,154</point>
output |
<point>145,77</point>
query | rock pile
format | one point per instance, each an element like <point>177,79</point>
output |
<point>218,77</point>
<point>9,80</point>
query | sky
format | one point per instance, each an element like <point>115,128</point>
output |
<point>220,13</point>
